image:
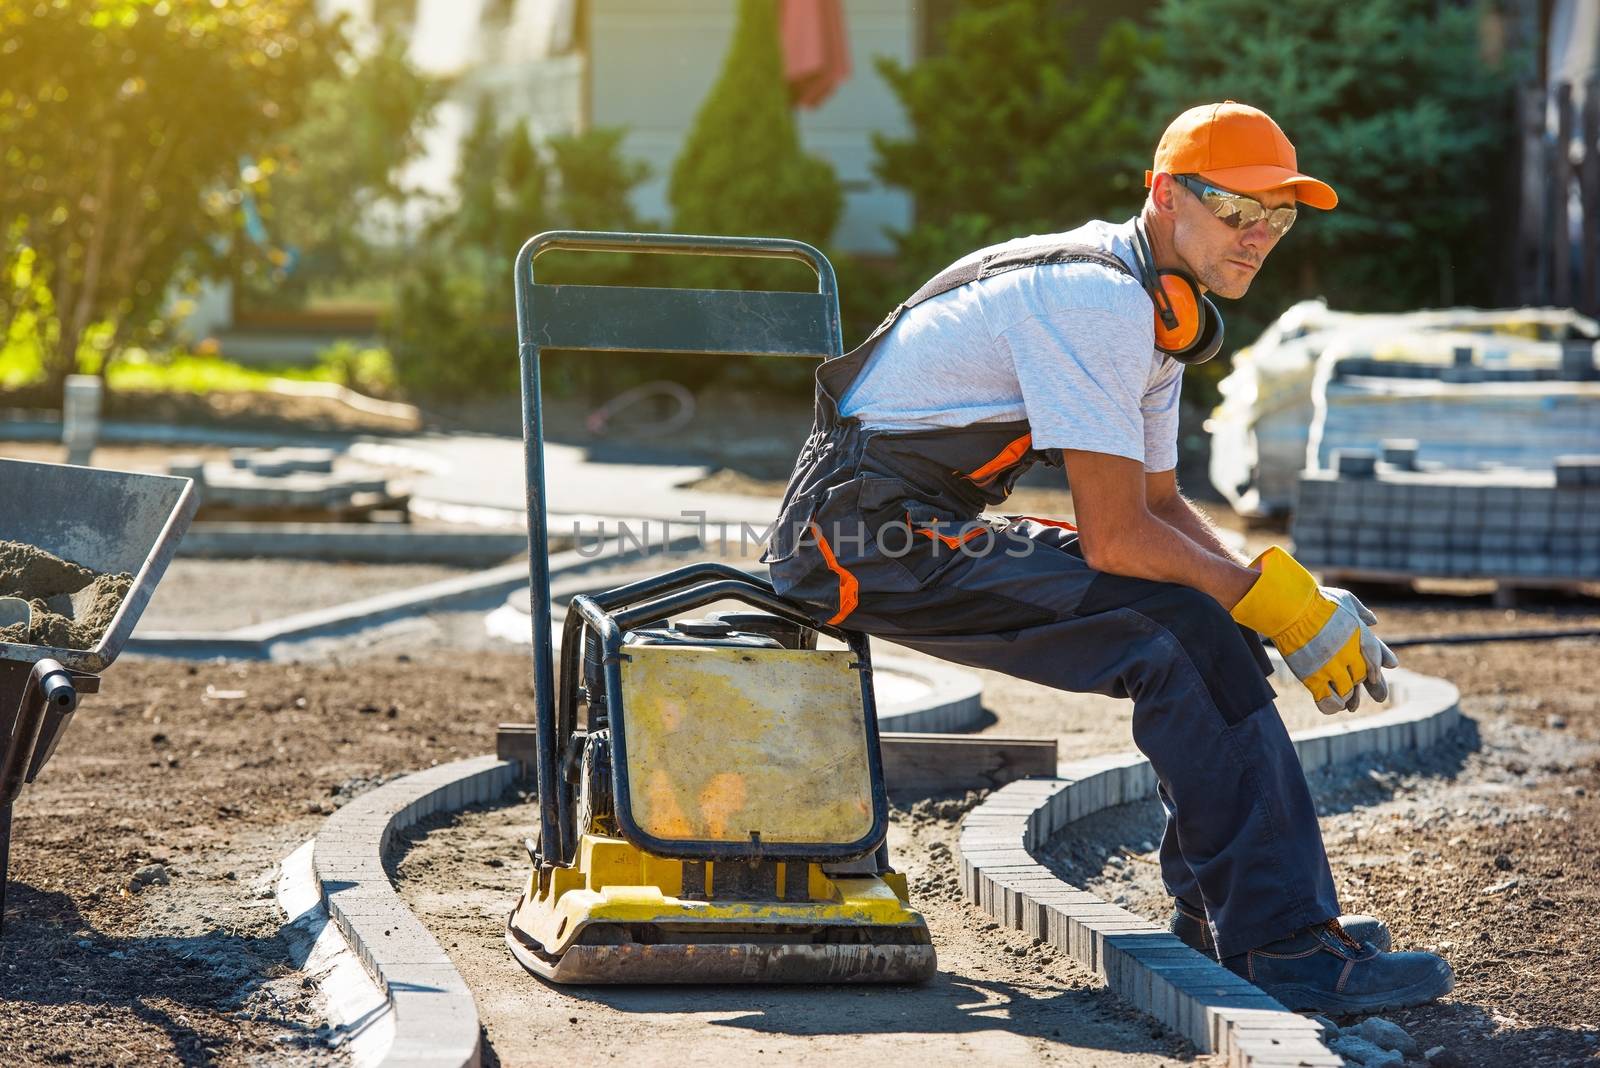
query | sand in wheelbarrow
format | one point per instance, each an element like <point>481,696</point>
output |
<point>72,605</point>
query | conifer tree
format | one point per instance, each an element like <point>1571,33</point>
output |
<point>742,169</point>
<point>1393,104</point>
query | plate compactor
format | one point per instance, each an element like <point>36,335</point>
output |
<point>710,794</point>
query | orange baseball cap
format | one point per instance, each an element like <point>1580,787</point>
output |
<point>1238,147</point>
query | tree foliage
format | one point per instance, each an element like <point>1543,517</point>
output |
<point>742,169</point>
<point>1387,100</point>
<point>122,127</point>
<point>452,330</point>
<point>1015,128</point>
<point>338,172</point>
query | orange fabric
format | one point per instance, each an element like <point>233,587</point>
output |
<point>848,587</point>
<point>949,540</point>
<point>1062,523</point>
<point>816,54</point>
<point>1004,459</point>
<point>1240,148</point>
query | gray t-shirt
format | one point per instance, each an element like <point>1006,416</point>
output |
<point>1069,347</point>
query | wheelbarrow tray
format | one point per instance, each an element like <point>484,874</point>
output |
<point>108,521</point>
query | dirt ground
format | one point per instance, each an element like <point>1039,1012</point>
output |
<point>999,998</point>
<point>1486,849</point>
<point>216,771</point>
<point>234,409</point>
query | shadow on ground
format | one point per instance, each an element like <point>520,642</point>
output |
<point>948,1004</point>
<point>191,990</point>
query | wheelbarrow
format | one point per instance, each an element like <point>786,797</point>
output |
<point>109,522</point>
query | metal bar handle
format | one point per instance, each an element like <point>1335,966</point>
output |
<point>688,575</point>
<point>772,248</point>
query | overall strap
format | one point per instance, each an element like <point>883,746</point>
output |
<point>1011,260</point>
<point>835,376</point>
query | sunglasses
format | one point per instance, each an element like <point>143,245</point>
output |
<point>1236,209</point>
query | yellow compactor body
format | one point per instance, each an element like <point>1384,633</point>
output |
<point>723,816</point>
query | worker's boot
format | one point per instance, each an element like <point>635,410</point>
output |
<point>1189,924</point>
<point>1322,969</point>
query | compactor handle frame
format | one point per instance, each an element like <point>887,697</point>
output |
<point>635,319</point>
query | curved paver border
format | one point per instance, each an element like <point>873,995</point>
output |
<point>1187,991</point>
<point>356,542</point>
<point>954,700</point>
<point>435,1018</point>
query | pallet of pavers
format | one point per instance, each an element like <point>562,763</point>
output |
<point>1391,519</point>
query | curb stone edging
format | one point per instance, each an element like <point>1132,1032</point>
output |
<point>435,1018</point>
<point>1186,991</point>
<point>359,542</point>
<point>357,1009</point>
<point>954,701</point>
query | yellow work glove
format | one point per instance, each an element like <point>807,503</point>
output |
<point>1325,634</point>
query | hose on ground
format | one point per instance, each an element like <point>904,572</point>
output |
<point>1492,636</point>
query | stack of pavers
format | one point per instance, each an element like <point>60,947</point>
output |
<point>1396,517</point>
<point>298,483</point>
<point>1471,411</point>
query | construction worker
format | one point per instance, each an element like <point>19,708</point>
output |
<point>1068,350</point>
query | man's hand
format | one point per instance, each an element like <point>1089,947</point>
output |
<point>1324,633</point>
<point>1377,655</point>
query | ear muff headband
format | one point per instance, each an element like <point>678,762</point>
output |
<point>1188,325</point>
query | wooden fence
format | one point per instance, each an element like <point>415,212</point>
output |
<point>1557,259</point>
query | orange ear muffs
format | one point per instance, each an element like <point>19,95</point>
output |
<point>1177,302</point>
<point>1188,325</point>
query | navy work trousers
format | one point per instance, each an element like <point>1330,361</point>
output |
<point>1241,836</point>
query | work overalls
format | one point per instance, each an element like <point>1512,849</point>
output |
<point>883,532</point>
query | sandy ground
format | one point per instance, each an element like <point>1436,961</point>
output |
<point>216,595</point>
<point>214,772</point>
<point>998,998</point>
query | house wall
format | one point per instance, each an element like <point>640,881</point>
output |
<point>652,62</point>
<point>647,65</point>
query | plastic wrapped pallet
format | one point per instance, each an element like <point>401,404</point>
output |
<point>1469,401</point>
<point>1260,429</point>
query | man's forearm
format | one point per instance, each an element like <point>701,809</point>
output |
<point>1196,526</point>
<point>1160,550</point>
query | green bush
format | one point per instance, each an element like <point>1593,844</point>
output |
<point>742,170</point>
<point>1015,128</point>
<point>1409,134</point>
<point>365,370</point>
<point>452,329</point>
